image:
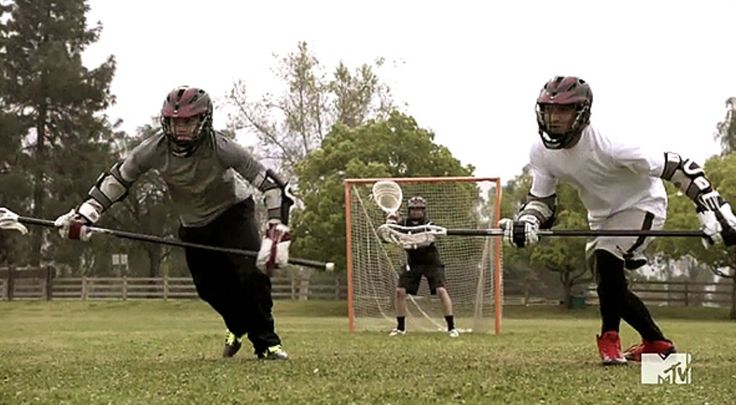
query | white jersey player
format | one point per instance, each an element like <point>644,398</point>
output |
<point>621,188</point>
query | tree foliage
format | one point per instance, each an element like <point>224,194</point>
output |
<point>393,147</point>
<point>293,123</point>
<point>726,129</point>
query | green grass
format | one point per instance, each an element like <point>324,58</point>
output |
<point>169,352</point>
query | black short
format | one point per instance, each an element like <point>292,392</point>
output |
<point>412,276</point>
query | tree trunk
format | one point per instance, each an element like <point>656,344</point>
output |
<point>566,281</point>
<point>568,294</point>
<point>38,185</point>
<point>733,298</point>
<point>154,261</point>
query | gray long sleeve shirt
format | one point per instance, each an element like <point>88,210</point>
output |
<point>202,185</point>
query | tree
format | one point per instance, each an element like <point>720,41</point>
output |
<point>291,125</point>
<point>564,256</point>
<point>726,129</point>
<point>13,185</point>
<point>681,215</point>
<point>394,147</point>
<point>53,99</point>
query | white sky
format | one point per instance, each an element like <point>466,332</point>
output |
<point>468,70</point>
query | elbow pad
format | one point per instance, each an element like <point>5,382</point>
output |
<point>110,188</point>
<point>690,178</point>
<point>277,197</point>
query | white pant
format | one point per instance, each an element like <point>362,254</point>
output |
<point>626,248</point>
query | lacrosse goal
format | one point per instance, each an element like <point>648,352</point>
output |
<point>472,264</point>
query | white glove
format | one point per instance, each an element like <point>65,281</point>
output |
<point>718,226</point>
<point>384,233</point>
<point>392,218</point>
<point>274,251</point>
<point>72,225</point>
<point>522,232</point>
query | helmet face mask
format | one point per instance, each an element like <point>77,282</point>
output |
<point>563,111</point>
<point>416,214</point>
<point>185,129</point>
<point>186,119</point>
<point>558,118</point>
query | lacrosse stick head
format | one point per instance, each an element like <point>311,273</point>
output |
<point>387,195</point>
<point>9,220</point>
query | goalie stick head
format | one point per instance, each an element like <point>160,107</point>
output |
<point>388,195</point>
<point>563,111</point>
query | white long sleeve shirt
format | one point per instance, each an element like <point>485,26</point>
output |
<point>609,176</point>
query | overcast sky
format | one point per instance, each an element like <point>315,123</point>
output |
<point>468,70</point>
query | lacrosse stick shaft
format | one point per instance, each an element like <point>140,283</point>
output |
<point>581,232</point>
<point>172,242</point>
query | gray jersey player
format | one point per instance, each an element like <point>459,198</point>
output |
<point>205,173</point>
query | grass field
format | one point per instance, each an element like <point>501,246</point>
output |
<point>148,352</point>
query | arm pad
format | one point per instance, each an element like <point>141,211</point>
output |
<point>110,188</point>
<point>690,178</point>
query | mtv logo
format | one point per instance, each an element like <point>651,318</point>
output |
<point>661,369</point>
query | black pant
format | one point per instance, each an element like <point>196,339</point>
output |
<point>230,283</point>
<point>617,301</point>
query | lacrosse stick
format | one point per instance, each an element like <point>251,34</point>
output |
<point>11,220</point>
<point>441,231</point>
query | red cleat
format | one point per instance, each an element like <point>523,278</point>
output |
<point>634,352</point>
<point>609,346</point>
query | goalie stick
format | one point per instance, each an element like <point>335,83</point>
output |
<point>11,220</point>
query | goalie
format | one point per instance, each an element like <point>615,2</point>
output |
<point>621,188</point>
<point>423,259</point>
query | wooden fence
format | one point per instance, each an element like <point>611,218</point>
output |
<point>678,293</point>
<point>37,284</point>
<point>657,293</point>
<point>24,285</point>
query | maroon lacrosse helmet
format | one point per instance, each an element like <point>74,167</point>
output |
<point>181,103</point>
<point>564,90</point>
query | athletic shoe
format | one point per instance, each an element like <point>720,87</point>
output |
<point>609,347</point>
<point>274,353</point>
<point>397,332</point>
<point>454,333</point>
<point>634,352</point>
<point>232,344</point>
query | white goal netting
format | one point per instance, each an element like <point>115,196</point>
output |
<point>472,264</point>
